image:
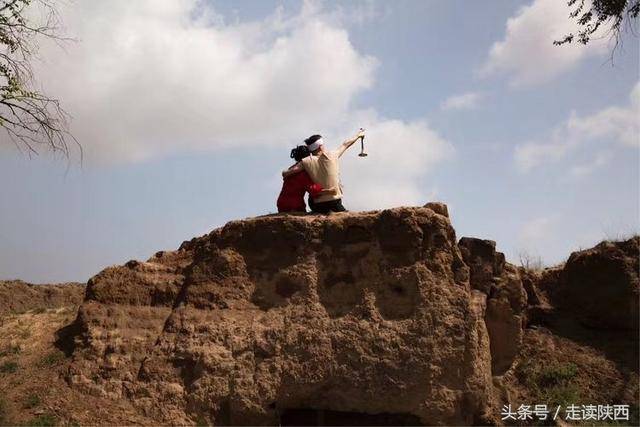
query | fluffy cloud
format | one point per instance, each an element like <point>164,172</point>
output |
<point>618,124</point>
<point>527,52</point>
<point>463,101</point>
<point>399,154</point>
<point>153,77</point>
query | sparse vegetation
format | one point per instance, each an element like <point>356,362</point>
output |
<point>563,395</point>
<point>556,374</point>
<point>8,367</point>
<point>552,384</point>
<point>43,420</point>
<point>201,421</point>
<point>618,236</point>
<point>52,359</point>
<point>530,262</point>
<point>23,331</point>
<point>14,349</point>
<point>32,401</point>
<point>3,412</point>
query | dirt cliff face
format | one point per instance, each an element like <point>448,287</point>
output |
<point>33,390</point>
<point>374,318</point>
<point>17,296</point>
<point>280,317</point>
<point>580,337</point>
<point>506,299</point>
<point>578,287</point>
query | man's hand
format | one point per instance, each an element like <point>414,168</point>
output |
<point>349,142</point>
<point>331,190</point>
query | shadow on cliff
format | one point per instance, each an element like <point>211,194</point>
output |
<point>619,346</point>
<point>66,337</point>
<point>593,300</point>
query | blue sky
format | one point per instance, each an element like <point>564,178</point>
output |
<point>187,112</point>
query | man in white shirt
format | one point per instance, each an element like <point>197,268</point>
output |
<point>324,168</point>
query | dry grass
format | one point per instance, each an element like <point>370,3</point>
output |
<point>33,390</point>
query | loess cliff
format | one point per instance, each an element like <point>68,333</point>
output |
<point>370,318</point>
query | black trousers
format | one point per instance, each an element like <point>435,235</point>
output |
<point>326,207</point>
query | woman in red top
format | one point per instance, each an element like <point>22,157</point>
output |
<point>294,187</point>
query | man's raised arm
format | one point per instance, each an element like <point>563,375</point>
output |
<point>349,142</point>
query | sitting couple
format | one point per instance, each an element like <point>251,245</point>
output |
<point>317,172</point>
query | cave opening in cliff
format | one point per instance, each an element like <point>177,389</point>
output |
<point>324,417</point>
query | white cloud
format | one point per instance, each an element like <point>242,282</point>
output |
<point>527,52</point>
<point>601,159</point>
<point>153,77</point>
<point>463,101</point>
<point>619,124</point>
<point>400,154</point>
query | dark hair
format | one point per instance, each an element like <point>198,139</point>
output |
<point>312,139</point>
<point>300,152</point>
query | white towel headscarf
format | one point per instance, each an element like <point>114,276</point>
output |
<point>315,145</point>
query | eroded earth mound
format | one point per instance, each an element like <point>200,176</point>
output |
<point>280,316</point>
<point>17,296</point>
<point>371,318</point>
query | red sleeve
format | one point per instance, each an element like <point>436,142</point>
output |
<point>311,187</point>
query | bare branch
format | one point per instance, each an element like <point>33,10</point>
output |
<point>31,119</point>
